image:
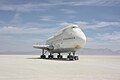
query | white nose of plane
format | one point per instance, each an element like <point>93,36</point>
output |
<point>83,40</point>
<point>81,37</point>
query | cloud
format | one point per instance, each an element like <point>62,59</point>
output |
<point>9,29</point>
<point>23,7</point>
<point>30,6</point>
<point>50,19</point>
<point>96,24</point>
<point>109,37</point>
<point>25,30</point>
<point>46,18</point>
<point>92,25</point>
<point>68,11</point>
<point>64,23</point>
<point>109,40</point>
<point>86,2</point>
<point>97,2</point>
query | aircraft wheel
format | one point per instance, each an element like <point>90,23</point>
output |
<point>70,57</point>
<point>43,56</point>
<point>76,58</point>
<point>59,56</point>
<point>50,56</point>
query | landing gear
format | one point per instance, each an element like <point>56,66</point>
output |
<point>59,56</point>
<point>50,56</point>
<point>43,56</point>
<point>72,57</point>
<point>76,58</point>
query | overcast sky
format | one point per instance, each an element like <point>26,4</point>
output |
<point>25,22</point>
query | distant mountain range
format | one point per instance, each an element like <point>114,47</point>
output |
<point>85,51</point>
<point>106,51</point>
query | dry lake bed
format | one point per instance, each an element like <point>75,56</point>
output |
<point>29,67</point>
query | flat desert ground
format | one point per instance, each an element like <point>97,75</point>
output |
<point>29,67</point>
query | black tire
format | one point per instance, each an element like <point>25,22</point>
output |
<point>70,57</point>
<point>50,56</point>
<point>76,58</point>
<point>43,56</point>
<point>59,56</point>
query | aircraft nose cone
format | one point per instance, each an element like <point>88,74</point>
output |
<point>82,39</point>
<point>80,36</point>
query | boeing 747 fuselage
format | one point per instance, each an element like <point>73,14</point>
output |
<point>68,40</point>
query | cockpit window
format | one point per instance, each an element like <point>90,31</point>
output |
<point>74,27</point>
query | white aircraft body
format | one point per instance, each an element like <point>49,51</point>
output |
<point>68,40</point>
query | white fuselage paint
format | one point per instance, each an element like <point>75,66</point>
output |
<point>69,39</point>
